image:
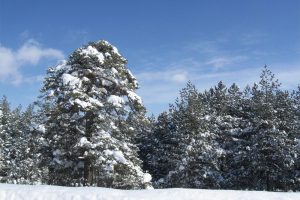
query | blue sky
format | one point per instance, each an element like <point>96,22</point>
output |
<point>166,43</point>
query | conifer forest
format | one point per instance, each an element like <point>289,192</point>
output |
<point>88,127</point>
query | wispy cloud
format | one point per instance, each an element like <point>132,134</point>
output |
<point>233,60</point>
<point>206,47</point>
<point>29,54</point>
<point>222,61</point>
<point>176,76</point>
<point>252,38</point>
<point>159,86</point>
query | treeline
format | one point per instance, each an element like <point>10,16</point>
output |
<point>88,128</point>
<point>21,142</point>
<point>227,138</point>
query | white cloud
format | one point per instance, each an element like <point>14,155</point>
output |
<point>8,64</point>
<point>287,75</point>
<point>180,77</point>
<point>30,53</point>
<point>172,76</point>
<point>222,61</point>
<point>161,86</point>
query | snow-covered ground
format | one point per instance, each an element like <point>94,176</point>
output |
<point>42,192</point>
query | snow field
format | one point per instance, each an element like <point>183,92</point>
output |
<point>44,192</point>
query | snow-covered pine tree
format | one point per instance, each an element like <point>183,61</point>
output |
<point>229,129</point>
<point>162,158</point>
<point>145,140</point>
<point>10,135</point>
<point>272,151</point>
<point>295,134</point>
<point>232,128</point>
<point>18,160</point>
<point>90,97</point>
<point>233,136</point>
<point>196,151</point>
<point>199,166</point>
<point>5,139</point>
<point>234,101</point>
<point>17,147</point>
<point>295,97</point>
<point>2,154</point>
<point>29,168</point>
<point>219,99</point>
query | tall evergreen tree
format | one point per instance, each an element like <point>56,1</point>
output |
<point>90,97</point>
<point>19,160</point>
<point>272,150</point>
<point>197,151</point>
<point>5,139</point>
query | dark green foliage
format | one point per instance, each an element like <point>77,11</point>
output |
<point>226,138</point>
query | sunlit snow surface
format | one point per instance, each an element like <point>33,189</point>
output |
<point>22,192</point>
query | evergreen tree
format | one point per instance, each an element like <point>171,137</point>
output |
<point>235,106</point>
<point>19,161</point>
<point>11,135</point>
<point>162,158</point>
<point>196,153</point>
<point>30,169</point>
<point>90,97</point>
<point>145,141</point>
<point>219,99</point>
<point>272,150</point>
<point>5,139</point>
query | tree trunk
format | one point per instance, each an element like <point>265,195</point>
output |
<point>268,181</point>
<point>88,173</point>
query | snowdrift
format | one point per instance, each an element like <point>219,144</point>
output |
<point>43,192</point>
